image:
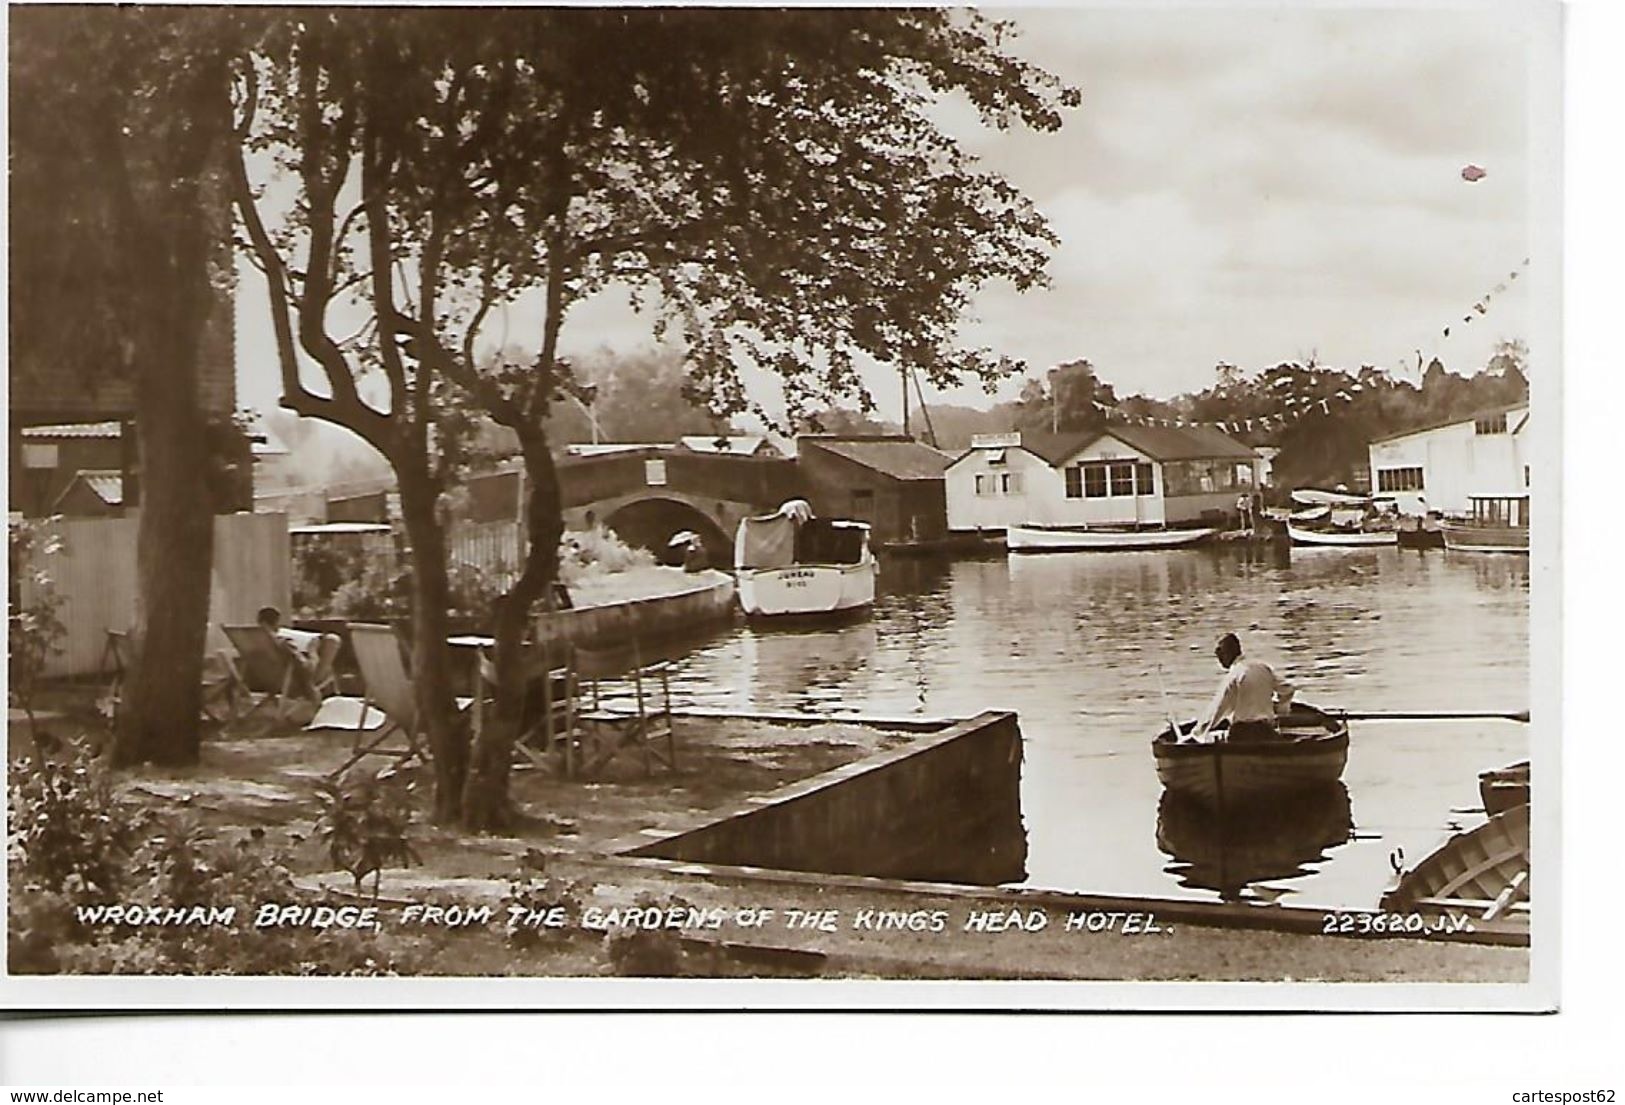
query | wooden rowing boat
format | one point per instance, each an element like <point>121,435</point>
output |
<point>1032,539</point>
<point>1483,872</point>
<point>1341,538</point>
<point>1504,787</point>
<point>1311,752</point>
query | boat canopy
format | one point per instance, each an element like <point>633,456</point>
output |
<point>766,541</point>
<point>791,535</point>
<point>1312,497</point>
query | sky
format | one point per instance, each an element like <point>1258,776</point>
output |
<point>1248,185</point>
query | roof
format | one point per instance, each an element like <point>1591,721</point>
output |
<point>901,458</point>
<point>75,429</point>
<point>1457,421</point>
<point>107,484</point>
<point>1181,442</point>
<point>1158,442</point>
<point>326,529</point>
<point>607,448</point>
<point>743,444</point>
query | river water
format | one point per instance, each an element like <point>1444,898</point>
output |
<point>1093,650</point>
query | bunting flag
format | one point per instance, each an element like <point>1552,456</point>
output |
<point>1482,307</point>
<point>1296,408</point>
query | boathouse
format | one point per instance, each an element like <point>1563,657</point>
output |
<point>888,480</point>
<point>1125,475</point>
<point>1440,467</point>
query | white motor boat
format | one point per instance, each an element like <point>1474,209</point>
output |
<point>791,563</point>
<point>1030,539</point>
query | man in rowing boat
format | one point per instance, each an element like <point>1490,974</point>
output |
<point>1250,694</point>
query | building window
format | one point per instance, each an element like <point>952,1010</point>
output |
<point>1491,424</point>
<point>863,502</point>
<point>1010,483</point>
<point>1526,475</point>
<point>1399,479</point>
<point>1199,477</point>
<point>1074,482</point>
<point>40,456</point>
<point>1145,480</point>
<point>1122,480</point>
<point>981,483</point>
<point>1094,481</point>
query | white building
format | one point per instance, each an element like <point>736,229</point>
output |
<point>1437,468</point>
<point>1122,476</point>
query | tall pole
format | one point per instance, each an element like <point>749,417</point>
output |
<point>903,376</point>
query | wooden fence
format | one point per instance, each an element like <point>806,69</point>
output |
<point>495,548</point>
<point>95,573</point>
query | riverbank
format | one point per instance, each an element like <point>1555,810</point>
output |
<point>584,908</point>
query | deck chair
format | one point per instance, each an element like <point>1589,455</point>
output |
<point>639,719</point>
<point>118,659</point>
<point>266,667</point>
<point>389,689</point>
<point>548,720</point>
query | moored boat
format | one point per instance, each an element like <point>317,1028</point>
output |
<point>1354,538</point>
<point>1419,533</point>
<point>790,563</point>
<point>1500,523</point>
<point>1311,752</point>
<point>1483,872</point>
<point>1029,539</point>
<point>1340,519</point>
<point>1504,787</point>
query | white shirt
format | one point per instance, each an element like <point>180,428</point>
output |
<point>300,641</point>
<point>1248,693</point>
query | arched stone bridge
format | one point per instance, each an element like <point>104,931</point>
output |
<point>646,495</point>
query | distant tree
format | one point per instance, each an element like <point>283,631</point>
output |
<point>1066,400</point>
<point>643,397</point>
<point>844,420</point>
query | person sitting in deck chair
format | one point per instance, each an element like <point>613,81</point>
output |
<point>1249,695</point>
<point>315,651</point>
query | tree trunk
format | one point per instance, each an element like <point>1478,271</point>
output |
<point>431,679</point>
<point>486,804</point>
<point>174,540</point>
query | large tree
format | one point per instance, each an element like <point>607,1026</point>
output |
<point>771,184</point>
<point>119,125</point>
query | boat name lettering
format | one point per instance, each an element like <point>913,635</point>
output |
<point>799,573</point>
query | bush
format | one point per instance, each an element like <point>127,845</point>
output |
<point>36,628</point>
<point>74,843</point>
<point>586,554</point>
<point>651,952</point>
<point>364,824</point>
<point>68,832</point>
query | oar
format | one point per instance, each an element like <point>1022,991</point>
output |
<point>1432,715</point>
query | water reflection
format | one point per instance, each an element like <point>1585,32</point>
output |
<point>1235,852</point>
<point>1092,651</point>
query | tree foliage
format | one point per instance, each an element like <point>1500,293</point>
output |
<point>789,204</point>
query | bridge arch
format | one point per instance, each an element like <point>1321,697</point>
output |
<point>648,519</point>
